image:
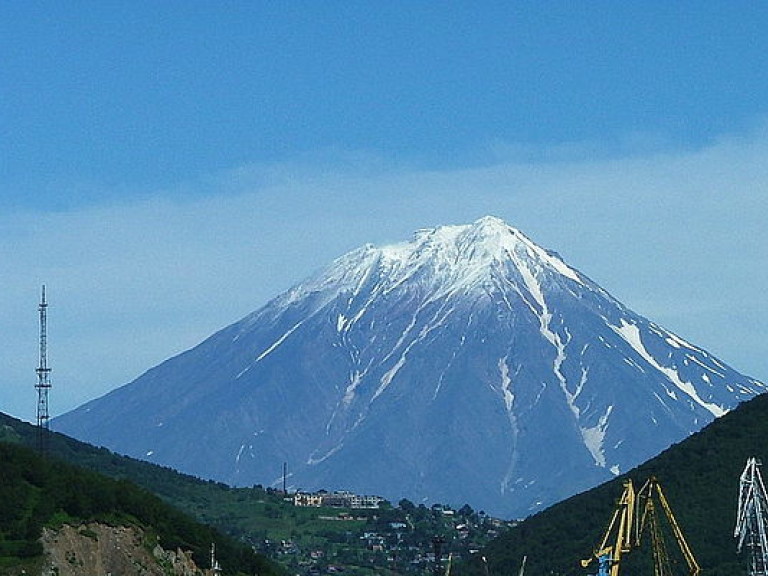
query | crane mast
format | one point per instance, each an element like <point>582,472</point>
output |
<point>618,537</point>
<point>752,519</point>
<point>636,513</point>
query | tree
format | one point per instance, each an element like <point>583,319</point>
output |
<point>466,511</point>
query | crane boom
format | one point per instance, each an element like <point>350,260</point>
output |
<point>650,492</point>
<point>685,549</point>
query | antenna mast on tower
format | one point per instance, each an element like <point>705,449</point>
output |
<point>43,382</point>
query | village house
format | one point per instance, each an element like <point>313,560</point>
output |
<point>340,499</point>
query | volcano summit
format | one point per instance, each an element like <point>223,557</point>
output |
<point>468,365</point>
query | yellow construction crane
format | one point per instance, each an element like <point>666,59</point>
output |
<point>652,492</point>
<point>636,513</point>
<point>618,537</point>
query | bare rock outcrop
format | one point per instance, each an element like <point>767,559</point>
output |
<point>100,550</point>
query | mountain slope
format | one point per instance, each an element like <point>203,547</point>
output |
<point>700,477</point>
<point>467,365</point>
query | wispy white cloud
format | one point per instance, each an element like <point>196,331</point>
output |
<point>676,235</point>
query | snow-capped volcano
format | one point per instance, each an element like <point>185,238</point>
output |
<point>446,260</point>
<point>468,365</point>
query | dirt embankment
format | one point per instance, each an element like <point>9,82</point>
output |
<point>101,550</point>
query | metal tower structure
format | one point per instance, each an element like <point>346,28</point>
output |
<point>752,518</point>
<point>43,378</point>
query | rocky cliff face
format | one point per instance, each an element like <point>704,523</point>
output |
<point>98,549</point>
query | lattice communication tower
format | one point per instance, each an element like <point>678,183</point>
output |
<point>43,385</point>
<point>752,519</point>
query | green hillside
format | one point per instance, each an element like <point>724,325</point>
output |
<point>700,477</point>
<point>210,502</point>
<point>398,537</point>
<point>37,492</point>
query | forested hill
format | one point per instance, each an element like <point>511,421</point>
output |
<point>264,519</point>
<point>700,477</point>
<point>240,513</point>
<point>37,492</point>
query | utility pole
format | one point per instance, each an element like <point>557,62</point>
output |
<point>437,546</point>
<point>43,379</point>
<point>215,566</point>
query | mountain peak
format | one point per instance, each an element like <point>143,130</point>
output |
<point>491,226</point>
<point>465,365</point>
<point>451,258</point>
<point>488,231</point>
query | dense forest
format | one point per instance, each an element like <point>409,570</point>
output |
<point>700,477</point>
<point>37,492</point>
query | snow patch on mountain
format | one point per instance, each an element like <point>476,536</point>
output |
<point>631,335</point>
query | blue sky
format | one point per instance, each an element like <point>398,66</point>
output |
<point>168,167</point>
